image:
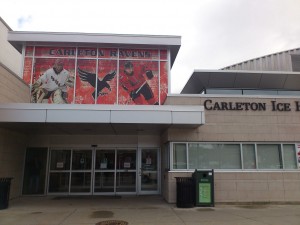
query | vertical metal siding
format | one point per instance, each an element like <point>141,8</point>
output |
<point>281,61</point>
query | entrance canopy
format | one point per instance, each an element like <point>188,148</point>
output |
<point>97,119</point>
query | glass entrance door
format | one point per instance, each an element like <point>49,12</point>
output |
<point>70,171</point>
<point>115,171</point>
<point>149,171</point>
<point>105,167</point>
<point>81,171</point>
<point>126,171</point>
<point>104,171</point>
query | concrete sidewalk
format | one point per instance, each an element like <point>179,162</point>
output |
<point>142,210</point>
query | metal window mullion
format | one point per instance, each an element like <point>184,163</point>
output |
<point>96,77</point>
<point>169,71</point>
<point>256,156</point>
<point>47,172</point>
<point>76,63</point>
<point>70,170</point>
<point>241,156</point>
<point>23,61</point>
<point>296,155</point>
<point>115,172</point>
<point>282,156</point>
<point>93,169</point>
<point>159,74</point>
<point>118,74</point>
<point>171,155</point>
<point>32,68</point>
<point>187,156</point>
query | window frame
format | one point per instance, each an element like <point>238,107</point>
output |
<point>281,156</point>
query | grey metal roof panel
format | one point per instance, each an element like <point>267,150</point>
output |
<point>279,61</point>
<point>234,79</point>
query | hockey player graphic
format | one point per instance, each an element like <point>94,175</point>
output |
<point>52,85</point>
<point>136,85</point>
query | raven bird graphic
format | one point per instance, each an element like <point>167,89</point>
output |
<point>101,84</point>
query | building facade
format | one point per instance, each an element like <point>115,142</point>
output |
<point>94,116</point>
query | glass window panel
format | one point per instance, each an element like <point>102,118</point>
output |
<point>295,93</point>
<point>81,182</point>
<point>126,182</point>
<point>35,171</point>
<point>223,91</point>
<point>179,156</point>
<point>259,92</point>
<point>214,156</point>
<point>249,156</point>
<point>195,156</point>
<point>105,160</point>
<point>289,155</point>
<point>230,156</point>
<point>104,182</point>
<point>82,160</point>
<point>59,182</point>
<point>126,159</point>
<point>60,159</point>
<point>269,156</point>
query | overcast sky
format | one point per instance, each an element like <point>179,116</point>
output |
<point>215,33</point>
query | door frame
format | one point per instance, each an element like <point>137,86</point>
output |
<point>139,175</point>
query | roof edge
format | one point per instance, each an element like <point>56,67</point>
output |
<point>2,21</point>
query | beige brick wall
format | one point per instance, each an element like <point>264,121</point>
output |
<point>12,153</point>
<point>241,187</point>
<point>9,56</point>
<point>12,88</point>
<point>240,126</point>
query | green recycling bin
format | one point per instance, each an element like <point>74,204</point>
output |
<point>204,181</point>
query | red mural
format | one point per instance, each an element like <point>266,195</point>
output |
<point>108,53</point>
<point>27,70</point>
<point>65,52</point>
<point>53,81</point>
<point>138,83</point>
<point>163,55</point>
<point>163,82</point>
<point>107,82</point>
<point>85,81</point>
<point>99,75</point>
<point>29,51</point>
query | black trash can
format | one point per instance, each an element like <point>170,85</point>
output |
<point>4,191</point>
<point>185,192</point>
<point>204,187</point>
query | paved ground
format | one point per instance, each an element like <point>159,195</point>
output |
<point>144,210</point>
